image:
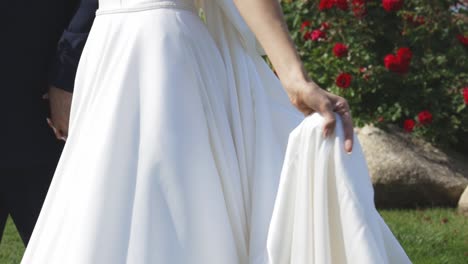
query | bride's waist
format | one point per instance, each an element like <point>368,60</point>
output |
<point>127,6</point>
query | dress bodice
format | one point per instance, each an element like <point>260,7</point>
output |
<point>132,4</point>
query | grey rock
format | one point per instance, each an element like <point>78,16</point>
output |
<point>409,172</point>
<point>463,203</point>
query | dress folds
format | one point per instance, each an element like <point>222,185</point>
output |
<point>178,133</point>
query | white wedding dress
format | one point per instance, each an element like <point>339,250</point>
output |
<point>178,134</point>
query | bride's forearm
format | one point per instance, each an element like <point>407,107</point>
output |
<point>265,18</point>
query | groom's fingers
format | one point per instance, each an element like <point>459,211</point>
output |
<point>63,134</point>
<point>58,134</point>
<point>51,125</point>
<point>60,103</point>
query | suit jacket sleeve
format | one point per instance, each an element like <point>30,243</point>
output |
<point>70,46</point>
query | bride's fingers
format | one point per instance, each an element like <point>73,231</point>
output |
<point>341,110</point>
<point>330,120</point>
<point>340,107</point>
<point>348,129</point>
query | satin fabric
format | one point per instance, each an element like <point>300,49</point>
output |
<point>149,172</point>
<point>177,139</point>
<point>324,211</point>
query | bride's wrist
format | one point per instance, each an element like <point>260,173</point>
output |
<point>293,82</point>
<point>295,78</point>
<point>299,85</point>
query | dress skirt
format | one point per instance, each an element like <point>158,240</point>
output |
<point>149,173</point>
<point>178,134</point>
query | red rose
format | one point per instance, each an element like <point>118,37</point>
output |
<point>392,5</point>
<point>308,35</point>
<point>326,4</point>
<point>317,34</point>
<point>391,62</point>
<point>463,40</point>
<point>400,62</point>
<point>465,95</point>
<point>408,125</point>
<point>359,8</point>
<point>304,25</point>
<point>425,117</point>
<point>405,55</point>
<point>340,50</point>
<point>342,4</point>
<point>344,80</point>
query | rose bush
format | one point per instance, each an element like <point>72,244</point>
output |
<point>398,62</point>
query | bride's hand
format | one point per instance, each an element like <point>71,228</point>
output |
<point>309,98</point>
<point>265,19</point>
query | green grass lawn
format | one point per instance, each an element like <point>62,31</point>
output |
<point>11,247</point>
<point>434,236</point>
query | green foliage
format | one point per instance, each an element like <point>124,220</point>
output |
<point>438,70</point>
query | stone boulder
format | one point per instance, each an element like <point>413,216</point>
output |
<point>463,203</point>
<point>408,172</point>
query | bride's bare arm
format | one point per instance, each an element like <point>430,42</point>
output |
<point>265,18</point>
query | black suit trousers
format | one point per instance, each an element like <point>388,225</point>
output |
<point>23,196</point>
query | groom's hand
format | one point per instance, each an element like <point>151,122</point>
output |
<point>60,104</point>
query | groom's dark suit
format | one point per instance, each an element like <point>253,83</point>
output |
<point>40,45</point>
